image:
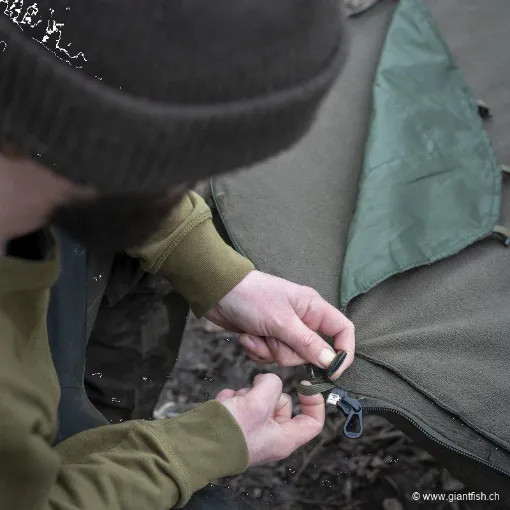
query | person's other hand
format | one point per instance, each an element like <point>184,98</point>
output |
<point>279,319</point>
<point>264,414</point>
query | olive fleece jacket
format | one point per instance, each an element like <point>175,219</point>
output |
<point>133,465</point>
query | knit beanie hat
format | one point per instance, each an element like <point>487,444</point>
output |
<point>137,96</point>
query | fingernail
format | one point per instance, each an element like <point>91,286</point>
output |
<point>306,383</point>
<point>333,368</point>
<point>326,357</point>
<point>246,342</point>
<point>283,399</point>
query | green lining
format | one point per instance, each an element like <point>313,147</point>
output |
<point>430,184</point>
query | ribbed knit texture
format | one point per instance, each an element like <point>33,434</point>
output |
<point>168,91</point>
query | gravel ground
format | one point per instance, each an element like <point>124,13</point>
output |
<point>380,470</point>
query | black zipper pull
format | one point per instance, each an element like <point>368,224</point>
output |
<point>352,410</point>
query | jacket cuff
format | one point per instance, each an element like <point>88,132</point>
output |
<point>218,448</point>
<point>203,268</point>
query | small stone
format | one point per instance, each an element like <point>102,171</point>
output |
<point>392,504</point>
<point>377,462</point>
<point>449,483</point>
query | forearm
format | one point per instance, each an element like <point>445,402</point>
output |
<point>156,465</point>
<point>189,252</point>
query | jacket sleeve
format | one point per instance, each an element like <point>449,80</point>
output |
<point>137,465</point>
<point>155,465</point>
<point>189,252</point>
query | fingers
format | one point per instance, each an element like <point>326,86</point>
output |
<point>256,348</point>
<point>319,315</point>
<point>225,395</point>
<point>313,406</point>
<point>283,409</point>
<point>266,391</point>
<point>306,343</point>
<point>264,415</point>
<point>283,354</point>
<point>309,423</point>
<point>336,325</point>
<point>270,350</point>
<point>256,359</point>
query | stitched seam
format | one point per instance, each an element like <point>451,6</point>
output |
<point>112,448</point>
<point>429,394</point>
<point>456,248</point>
<point>183,231</point>
<point>461,244</point>
<point>413,415</point>
<point>172,454</point>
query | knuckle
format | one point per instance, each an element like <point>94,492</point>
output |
<point>276,323</point>
<point>349,326</point>
<point>280,358</point>
<point>243,406</point>
<point>316,428</point>
<point>314,301</point>
<point>257,352</point>
<point>310,291</point>
<point>313,429</point>
<point>254,407</point>
<point>307,340</point>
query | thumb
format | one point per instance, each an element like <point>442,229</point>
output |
<point>306,343</point>
<point>225,394</point>
<point>266,391</point>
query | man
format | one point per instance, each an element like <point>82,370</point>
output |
<point>168,93</point>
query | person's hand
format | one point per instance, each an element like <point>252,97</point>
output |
<point>279,319</point>
<point>264,414</point>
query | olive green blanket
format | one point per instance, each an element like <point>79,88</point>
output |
<point>388,205</point>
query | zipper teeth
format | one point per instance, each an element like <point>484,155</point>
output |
<point>369,408</point>
<point>430,436</point>
<point>218,210</point>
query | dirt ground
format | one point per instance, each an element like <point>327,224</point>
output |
<point>380,470</point>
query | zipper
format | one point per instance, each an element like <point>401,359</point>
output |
<point>437,441</point>
<point>351,407</point>
<point>434,439</point>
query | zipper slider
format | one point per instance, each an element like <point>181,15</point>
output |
<point>352,410</point>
